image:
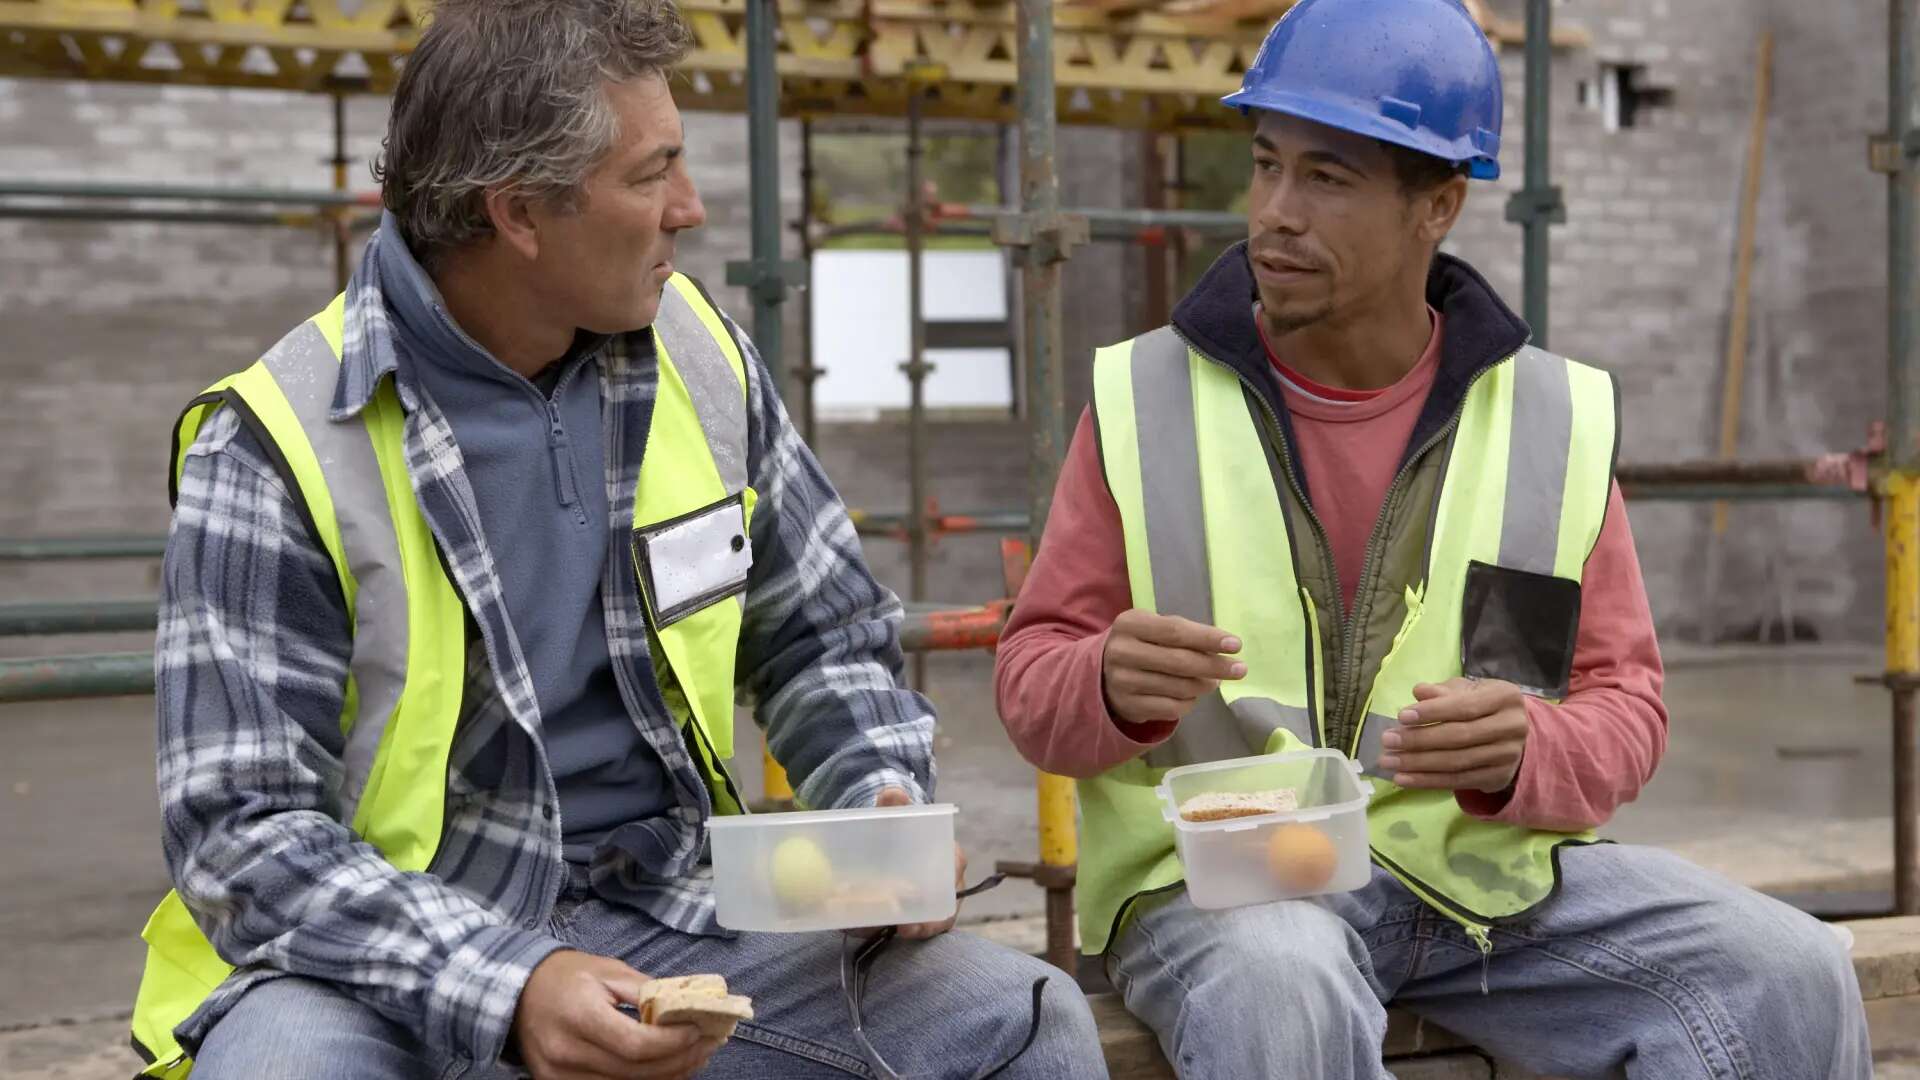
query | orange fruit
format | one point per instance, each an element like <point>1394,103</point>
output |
<point>1301,858</point>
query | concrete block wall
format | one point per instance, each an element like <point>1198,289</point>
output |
<point>109,327</point>
<point>1642,280</point>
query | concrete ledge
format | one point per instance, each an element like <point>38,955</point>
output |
<point>1886,954</point>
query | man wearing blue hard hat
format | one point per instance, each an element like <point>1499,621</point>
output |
<point>1340,503</point>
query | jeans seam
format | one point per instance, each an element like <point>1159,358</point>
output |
<point>1186,989</point>
<point>1423,939</point>
<point>1722,1027</point>
<point>806,1048</point>
<point>1705,1018</point>
<point>1405,930</point>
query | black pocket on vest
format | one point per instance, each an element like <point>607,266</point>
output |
<point>1519,626</point>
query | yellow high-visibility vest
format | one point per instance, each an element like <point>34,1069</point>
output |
<point>1499,514</point>
<point>408,665</point>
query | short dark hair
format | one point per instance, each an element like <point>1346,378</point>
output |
<point>1419,173</point>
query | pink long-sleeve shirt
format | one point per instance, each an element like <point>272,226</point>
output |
<point>1584,756</point>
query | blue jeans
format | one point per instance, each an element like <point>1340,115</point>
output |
<point>948,1007</point>
<point>1642,965</point>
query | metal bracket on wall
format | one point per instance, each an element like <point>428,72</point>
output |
<point>1041,239</point>
<point>1886,154</point>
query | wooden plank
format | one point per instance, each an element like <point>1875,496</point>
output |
<point>1145,67</point>
<point>1732,390</point>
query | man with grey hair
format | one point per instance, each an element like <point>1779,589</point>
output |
<point>464,576</point>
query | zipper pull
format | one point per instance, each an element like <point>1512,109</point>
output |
<point>1479,936</point>
<point>559,451</point>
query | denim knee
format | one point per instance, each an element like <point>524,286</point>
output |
<point>1066,1045</point>
<point>295,1027</point>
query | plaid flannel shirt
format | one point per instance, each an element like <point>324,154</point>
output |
<point>251,665</point>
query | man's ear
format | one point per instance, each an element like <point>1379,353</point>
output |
<point>1439,208</point>
<point>511,214</point>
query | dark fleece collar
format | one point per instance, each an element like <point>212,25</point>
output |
<point>1217,318</point>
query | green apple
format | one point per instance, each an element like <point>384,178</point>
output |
<point>802,874</point>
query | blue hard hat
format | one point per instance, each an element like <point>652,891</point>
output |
<point>1416,73</point>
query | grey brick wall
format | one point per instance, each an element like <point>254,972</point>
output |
<point>1642,279</point>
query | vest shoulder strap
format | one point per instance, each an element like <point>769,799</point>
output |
<point>1564,441</point>
<point>697,343</point>
<point>334,470</point>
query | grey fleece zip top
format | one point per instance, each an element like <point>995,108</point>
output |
<point>537,463</point>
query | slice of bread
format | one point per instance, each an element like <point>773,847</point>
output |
<point>700,984</point>
<point>715,1016</point>
<point>1221,805</point>
<point>700,1000</point>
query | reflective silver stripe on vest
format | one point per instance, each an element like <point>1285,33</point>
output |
<point>1537,456</point>
<point>1177,554</point>
<point>307,371</point>
<point>711,382</point>
<point>1538,451</point>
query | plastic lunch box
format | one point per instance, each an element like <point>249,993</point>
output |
<point>834,869</point>
<point>1320,847</point>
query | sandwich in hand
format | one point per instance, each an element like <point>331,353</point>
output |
<point>700,1000</point>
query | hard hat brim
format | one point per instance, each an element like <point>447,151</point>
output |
<point>1361,121</point>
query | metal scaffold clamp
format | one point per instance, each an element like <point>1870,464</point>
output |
<point>1892,154</point>
<point>767,281</point>
<point>1536,204</point>
<point>1041,239</point>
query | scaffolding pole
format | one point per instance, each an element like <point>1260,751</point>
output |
<point>765,276</point>
<point>1158,260</point>
<point>56,677</point>
<point>160,215</point>
<point>78,617</point>
<point>62,548</point>
<point>1182,243</point>
<point>1111,223</point>
<point>1537,206</point>
<point>1895,154</point>
<point>69,189</point>
<point>805,373</point>
<point>916,369</point>
<point>342,228</point>
<point>926,628</point>
<point>1150,228</point>
<point>1043,238</point>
